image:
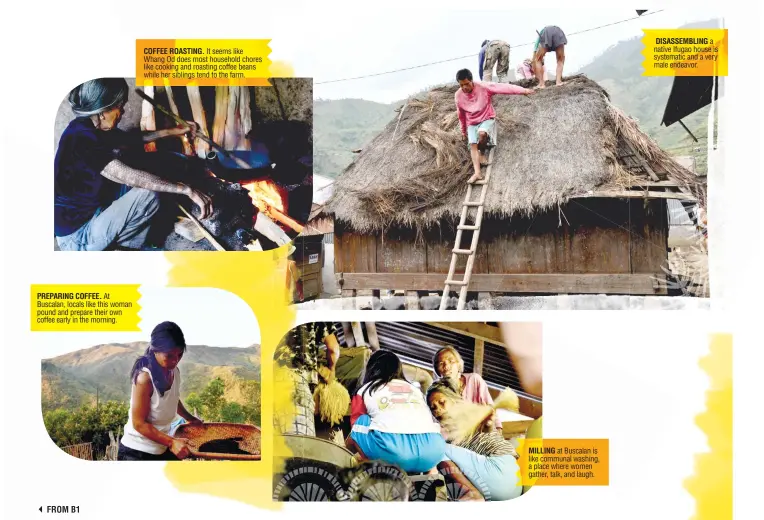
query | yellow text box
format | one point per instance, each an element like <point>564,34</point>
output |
<point>685,52</point>
<point>564,462</point>
<point>202,62</point>
<point>69,308</point>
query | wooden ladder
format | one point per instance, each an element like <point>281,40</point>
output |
<point>475,228</point>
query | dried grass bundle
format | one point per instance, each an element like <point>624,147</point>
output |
<point>332,401</point>
<point>553,145</point>
<point>465,419</point>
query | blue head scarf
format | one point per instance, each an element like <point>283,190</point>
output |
<point>164,338</point>
<point>98,95</point>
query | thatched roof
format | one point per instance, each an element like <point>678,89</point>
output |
<point>319,222</point>
<point>560,143</point>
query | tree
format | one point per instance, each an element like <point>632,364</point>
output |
<point>194,404</point>
<point>212,399</point>
<point>251,392</point>
<point>232,413</point>
<point>87,424</point>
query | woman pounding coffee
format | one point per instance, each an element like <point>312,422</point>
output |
<point>155,400</point>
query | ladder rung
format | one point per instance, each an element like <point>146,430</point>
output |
<point>463,251</point>
<point>465,227</point>
<point>456,282</point>
<point>473,203</point>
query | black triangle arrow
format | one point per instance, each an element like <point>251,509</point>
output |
<point>640,12</point>
<point>40,509</point>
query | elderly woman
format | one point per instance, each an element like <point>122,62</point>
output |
<point>101,202</point>
<point>486,459</point>
<point>447,362</point>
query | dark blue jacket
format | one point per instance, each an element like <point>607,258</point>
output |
<point>481,60</point>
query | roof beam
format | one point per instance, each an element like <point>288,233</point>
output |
<point>481,331</point>
<point>641,161</point>
<point>626,194</point>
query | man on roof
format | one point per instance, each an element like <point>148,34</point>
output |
<point>494,52</point>
<point>476,114</point>
<point>550,38</point>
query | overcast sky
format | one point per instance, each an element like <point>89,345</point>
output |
<point>390,39</point>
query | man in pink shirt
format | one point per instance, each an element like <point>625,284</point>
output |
<point>476,114</point>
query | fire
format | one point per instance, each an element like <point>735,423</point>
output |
<point>264,194</point>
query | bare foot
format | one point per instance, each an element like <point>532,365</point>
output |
<point>559,83</point>
<point>475,177</point>
<point>539,86</point>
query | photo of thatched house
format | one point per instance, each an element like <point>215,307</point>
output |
<point>577,201</point>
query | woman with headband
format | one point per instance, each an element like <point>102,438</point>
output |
<point>155,400</point>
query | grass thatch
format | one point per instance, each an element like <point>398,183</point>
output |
<point>553,145</point>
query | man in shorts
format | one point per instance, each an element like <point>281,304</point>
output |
<point>551,38</point>
<point>476,114</point>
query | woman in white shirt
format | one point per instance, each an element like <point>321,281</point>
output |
<point>155,400</point>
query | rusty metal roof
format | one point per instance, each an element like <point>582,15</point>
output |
<point>416,343</point>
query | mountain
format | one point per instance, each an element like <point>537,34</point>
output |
<point>343,125</point>
<point>73,379</point>
<point>619,71</point>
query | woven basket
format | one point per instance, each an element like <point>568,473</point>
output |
<point>248,439</point>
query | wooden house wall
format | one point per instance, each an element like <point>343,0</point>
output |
<point>596,236</point>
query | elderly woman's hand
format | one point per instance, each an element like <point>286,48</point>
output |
<point>489,425</point>
<point>200,199</point>
<point>190,129</point>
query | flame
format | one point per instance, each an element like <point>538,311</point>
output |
<point>264,194</point>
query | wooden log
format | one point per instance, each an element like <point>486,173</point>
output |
<point>626,194</point>
<point>481,331</point>
<point>371,331</point>
<point>239,119</point>
<point>245,115</point>
<point>348,299</point>
<point>412,300</point>
<point>641,283</point>
<point>188,147</point>
<point>221,116</point>
<point>365,298</point>
<point>148,119</point>
<point>479,355</point>
<point>483,299</point>
<point>358,334</point>
<point>204,231</point>
<point>197,109</point>
<point>347,330</point>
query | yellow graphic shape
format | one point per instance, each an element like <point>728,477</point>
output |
<point>711,483</point>
<point>685,52</point>
<point>84,308</point>
<point>202,62</point>
<point>258,278</point>
<point>564,462</point>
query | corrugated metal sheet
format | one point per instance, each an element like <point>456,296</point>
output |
<point>416,343</point>
<point>677,215</point>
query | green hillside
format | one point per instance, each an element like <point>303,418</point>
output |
<point>341,126</point>
<point>72,380</point>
